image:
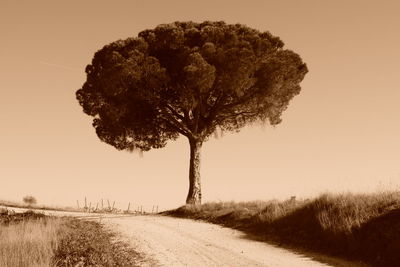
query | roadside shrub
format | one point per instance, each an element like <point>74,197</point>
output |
<point>29,200</point>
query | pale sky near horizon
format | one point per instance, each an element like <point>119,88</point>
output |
<point>340,134</point>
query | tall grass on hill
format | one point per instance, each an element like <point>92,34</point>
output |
<point>362,227</point>
<point>28,243</point>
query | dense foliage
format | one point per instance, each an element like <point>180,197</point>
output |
<point>188,78</point>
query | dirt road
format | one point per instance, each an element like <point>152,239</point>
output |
<point>167,241</point>
<point>182,242</point>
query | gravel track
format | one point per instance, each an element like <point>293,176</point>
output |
<point>181,242</point>
<point>168,241</point>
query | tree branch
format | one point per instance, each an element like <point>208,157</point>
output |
<point>174,112</point>
<point>180,127</point>
<point>197,117</point>
<point>176,128</point>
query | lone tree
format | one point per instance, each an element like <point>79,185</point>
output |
<point>191,79</point>
<point>29,200</point>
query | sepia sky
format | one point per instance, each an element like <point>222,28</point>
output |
<point>342,133</point>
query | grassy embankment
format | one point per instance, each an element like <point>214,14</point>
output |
<point>32,240</point>
<point>362,227</point>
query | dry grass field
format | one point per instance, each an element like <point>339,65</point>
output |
<point>29,242</point>
<point>363,227</point>
<point>32,239</point>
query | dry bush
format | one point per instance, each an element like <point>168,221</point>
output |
<point>29,200</point>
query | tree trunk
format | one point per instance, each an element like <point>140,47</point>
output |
<point>194,195</point>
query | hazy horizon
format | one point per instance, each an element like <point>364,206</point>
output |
<point>340,134</point>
